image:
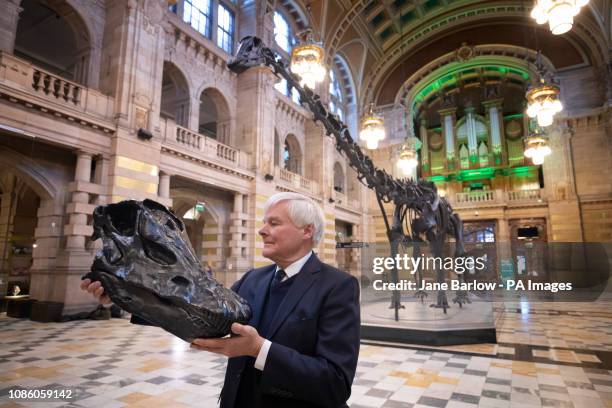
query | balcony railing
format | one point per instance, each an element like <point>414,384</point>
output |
<point>475,197</point>
<point>203,146</point>
<point>296,182</point>
<point>496,197</point>
<point>524,195</point>
<point>59,92</point>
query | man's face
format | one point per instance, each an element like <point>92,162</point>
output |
<point>283,241</point>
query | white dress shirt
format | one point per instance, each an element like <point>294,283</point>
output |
<point>290,271</point>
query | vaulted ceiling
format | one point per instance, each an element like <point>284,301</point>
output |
<point>387,41</point>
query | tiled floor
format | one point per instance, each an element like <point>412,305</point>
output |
<point>549,355</point>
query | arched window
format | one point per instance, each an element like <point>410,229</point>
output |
<point>174,95</point>
<point>282,32</point>
<point>339,180</point>
<point>214,118</point>
<point>292,155</point>
<point>336,100</point>
<point>342,94</point>
<point>53,36</point>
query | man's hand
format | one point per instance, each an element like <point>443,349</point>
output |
<point>97,291</point>
<point>247,342</point>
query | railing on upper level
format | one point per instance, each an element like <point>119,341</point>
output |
<point>496,197</point>
<point>46,87</point>
<point>476,197</point>
<point>296,182</point>
<point>525,195</point>
<point>203,146</point>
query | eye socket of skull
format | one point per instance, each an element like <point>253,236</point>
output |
<point>123,217</point>
<point>155,241</point>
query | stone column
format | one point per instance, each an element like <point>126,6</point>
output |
<point>563,204</point>
<point>448,119</point>
<point>7,213</point>
<point>255,116</point>
<point>238,228</point>
<point>134,50</point>
<point>77,230</point>
<point>193,122</point>
<point>101,178</point>
<point>8,24</point>
<point>164,185</point>
<point>47,282</point>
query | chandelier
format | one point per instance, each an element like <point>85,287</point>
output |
<point>372,129</point>
<point>536,147</point>
<point>543,102</point>
<point>558,13</point>
<point>307,61</point>
<point>408,159</point>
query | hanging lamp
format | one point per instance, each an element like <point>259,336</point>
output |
<point>372,129</point>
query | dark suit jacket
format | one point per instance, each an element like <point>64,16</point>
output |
<point>314,335</point>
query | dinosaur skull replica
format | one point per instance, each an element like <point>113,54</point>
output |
<point>148,267</point>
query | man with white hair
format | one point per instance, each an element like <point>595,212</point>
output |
<point>300,348</point>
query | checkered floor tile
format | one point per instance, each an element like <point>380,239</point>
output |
<point>548,356</point>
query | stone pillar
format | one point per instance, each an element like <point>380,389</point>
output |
<point>77,230</point>
<point>164,185</point>
<point>194,114</point>
<point>327,247</point>
<point>238,228</point>
<point>448,119</point>
<point>7,213</point>
<point>563,204</point>
<point>134,52</point>
<point>8,24</point>
<point>255,116</point>
<point>46,282</point>
<point>496,129</point>
<point>101,178</point>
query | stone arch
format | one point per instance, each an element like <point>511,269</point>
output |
<point>46,19</point>
<point>215,115</point>
<point>175,101</point>
<point>583,42</point>
<point>358,58</point>
<point>34,175</point>
<point>487,55</point>
<point>206,231</point>
<point>24,179</point>
<point>293,159</point>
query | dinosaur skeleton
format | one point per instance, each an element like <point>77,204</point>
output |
<point>420,214</point>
